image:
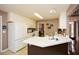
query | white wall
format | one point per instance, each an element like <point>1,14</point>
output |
<point>0,33</point>
<point>21,24</point>
<point>63,20</point>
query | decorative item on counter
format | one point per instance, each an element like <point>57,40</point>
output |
<point>62,32</point>
<point>59,31</point>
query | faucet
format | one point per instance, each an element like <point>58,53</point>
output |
<point>54,38</point>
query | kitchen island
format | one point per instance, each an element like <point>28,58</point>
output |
<point>48,45</point>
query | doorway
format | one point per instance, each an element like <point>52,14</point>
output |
<point>41,30</point>
<point>74,35</point>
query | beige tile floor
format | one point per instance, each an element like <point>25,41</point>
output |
<point>20,52</point>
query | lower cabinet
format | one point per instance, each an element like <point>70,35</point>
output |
<point>16,45</point>
<point>61,49</point>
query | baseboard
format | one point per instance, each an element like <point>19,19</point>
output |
<point>4,50</point>
<point>21,49</point>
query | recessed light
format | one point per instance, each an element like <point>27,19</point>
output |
<point>38,15</point>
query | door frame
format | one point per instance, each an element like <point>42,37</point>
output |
<point>1,34</point>
<point>71,24</point>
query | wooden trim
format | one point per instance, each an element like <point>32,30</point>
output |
<point>75,18</point>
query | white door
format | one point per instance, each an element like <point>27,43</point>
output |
<point>0,33</point>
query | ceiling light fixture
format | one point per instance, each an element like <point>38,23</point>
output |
<point>38,15</point>
<point>53,10</point>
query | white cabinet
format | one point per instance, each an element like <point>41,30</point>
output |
<point>14,43</point>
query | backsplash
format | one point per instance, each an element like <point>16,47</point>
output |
<point>50,26</point>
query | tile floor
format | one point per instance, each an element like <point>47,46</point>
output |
<point>20,52</point>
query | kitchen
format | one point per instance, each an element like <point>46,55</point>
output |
<point>40,34</point>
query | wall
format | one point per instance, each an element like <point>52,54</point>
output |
<point>53,29</point>
<point>63,20</point>
<point>21,23</point>
<point>4,35</point>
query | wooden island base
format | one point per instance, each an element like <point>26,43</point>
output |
<point>61,49</point>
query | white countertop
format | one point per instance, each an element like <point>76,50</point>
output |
<point>46,41</point>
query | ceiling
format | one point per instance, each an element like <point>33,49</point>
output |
<point>27,10</point>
